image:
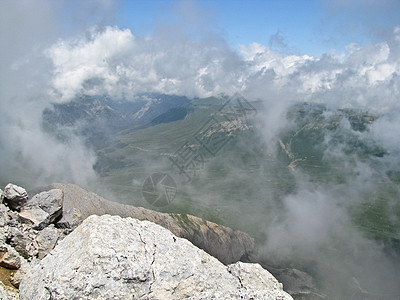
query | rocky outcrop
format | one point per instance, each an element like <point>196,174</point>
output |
<point>224,243</point>
<point>27,231</point>
<point>108,257</point>
<point>30,228</point>
<point>15,196</point>
<point>42,209</point>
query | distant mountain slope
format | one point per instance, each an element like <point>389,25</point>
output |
<point>96,117</point>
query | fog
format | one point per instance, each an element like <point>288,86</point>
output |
<point>49,56</point>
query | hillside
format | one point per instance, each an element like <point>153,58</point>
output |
<point>324,182</point>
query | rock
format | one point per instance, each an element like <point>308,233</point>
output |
<point>3,293</point>
<point>224,243</point>
<point>47,240</point>
<point>1,196</point>
<point>4,218</point>
<point>35,217</point>
<point>71,219</point>
<point>15,196</point>
<point>16,277</point>
<point>297,283</point>
<point>51,202</point>
<point>9,258</point>
<point>109,257</point>
<point>23,242</point>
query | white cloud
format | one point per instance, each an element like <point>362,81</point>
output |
<point>115,62</point>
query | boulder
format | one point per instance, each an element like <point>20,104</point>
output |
<point>9,258</point>
<point>108,257</point>
<point>22,241</point>
<point>47,239</point>
<point>1,196</point>
<point>3,215</point>
<point>298,283</point>
<point>35,217</point>
<point>51,202</point>
<point>15,196</point>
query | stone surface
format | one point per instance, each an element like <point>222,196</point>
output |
<point>16,278</point>
<point>51,202</point>
<point>1,196</point>
<point>15,196</point>
<point>297,283</point>
<point>9,258</point>
<point>22,241</point>
<point>47,239</point>
<point>3,215</point>
<point>35,217</point>
<point>109,257</point>
<point>220,241</point>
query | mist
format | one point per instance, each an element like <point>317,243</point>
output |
<point>52,57</point>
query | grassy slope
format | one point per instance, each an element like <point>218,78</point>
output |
<point>242,179</point>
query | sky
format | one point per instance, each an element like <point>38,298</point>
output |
<point>300,27</point>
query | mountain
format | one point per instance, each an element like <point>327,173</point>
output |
<point>96,117</point>
<point>323,160</point>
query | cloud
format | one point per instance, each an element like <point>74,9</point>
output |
<point>115,62</point>
<point>27,155</point>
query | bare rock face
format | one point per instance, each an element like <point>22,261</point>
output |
<point>15,196</point>
<point>108,257</point>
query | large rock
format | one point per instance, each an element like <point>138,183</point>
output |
<point>35,217</point>
<point>15,196</point>
<point>47,239</point>
<point>51,202</point>
<point>298,283</point>
<point>109,257</point>
<point>220,241</point>
<point>9,258</point>
<point>3,215</point>
<point>22,241</point>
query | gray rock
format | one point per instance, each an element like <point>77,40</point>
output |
<point>71,219</point>
<point>35,217</point>
<point>23,242</point>
<point>15,196</point>
<point>9,258</point>
<point>51,202</point>
<point>4,218</point>
<point>109,257</point>
<point>297,283</point>
<point>47,240</point>
<point>1,196</point>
